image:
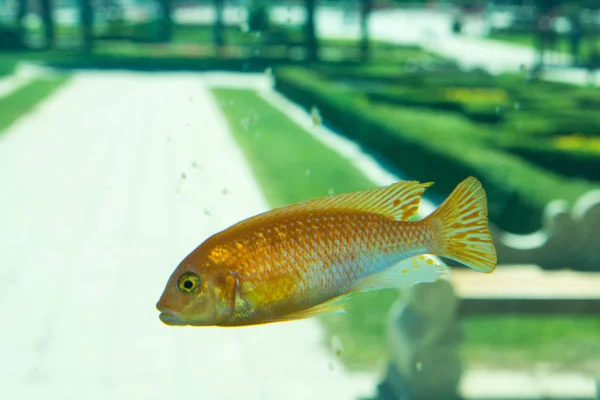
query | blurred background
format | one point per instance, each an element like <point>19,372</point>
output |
<point>131,130</point>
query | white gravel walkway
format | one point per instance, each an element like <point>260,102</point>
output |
<point>95,213</point>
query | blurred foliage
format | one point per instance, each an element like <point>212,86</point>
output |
<point>573,155</point>
<point>204,34</point>
<point>433,145</point>
<point>578,142</point>
<point>258,15</point>
<point>245,51</point>
<point>10,38</point>
<point>134,32</point>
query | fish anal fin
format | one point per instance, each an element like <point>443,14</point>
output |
<point>332,306</point>
<point>418,269</point>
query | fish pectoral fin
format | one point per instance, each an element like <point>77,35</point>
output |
<point>329,307</point>
<point>418,269</point>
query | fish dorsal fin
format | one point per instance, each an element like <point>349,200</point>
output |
<point>399,201</point>
<point>418,269</point>
<point>332,306</point>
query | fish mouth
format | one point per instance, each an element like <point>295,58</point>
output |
<point>169,317</point>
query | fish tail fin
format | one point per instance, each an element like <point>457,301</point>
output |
<point>461,228</point>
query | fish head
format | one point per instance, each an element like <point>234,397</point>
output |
<point>197,296</point>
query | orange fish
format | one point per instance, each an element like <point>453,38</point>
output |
<point>299,261</point>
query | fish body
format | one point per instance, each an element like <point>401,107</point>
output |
<point>301,260</point>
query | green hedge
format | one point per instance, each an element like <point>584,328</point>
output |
<point>174,63</point>
<point>412,98</point>
<point>536,108</point>
<point>10,38</point>
<point>574,163</point>
<point>394,85</point>
<point>422,147</point>
<point>532,111</point>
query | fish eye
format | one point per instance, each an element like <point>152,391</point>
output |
<point>188,283</point>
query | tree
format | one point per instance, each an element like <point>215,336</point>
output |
<point>48,22</point>
<point>258,16</point>
<point>20,18</point>
<point>310,30</point>
<point>218,33</point>
<point>166,22</point>
<point>87,24</point>
<point>365,11</point>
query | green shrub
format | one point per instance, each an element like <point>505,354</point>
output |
<point>587,100</point>
<point>519,111</point>
<point>574,163</point>
<point>479,112</point>
<point>258,16</point>
<point>483,113</point>
<point>530,107</point>
<point>10,38</point>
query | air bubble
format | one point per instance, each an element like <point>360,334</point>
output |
<point>336,345</point>
<point>316,116</point>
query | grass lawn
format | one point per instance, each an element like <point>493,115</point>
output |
<point>570,343</point>
<point>8,62</point>
<point>10,59</point>
<point>280,154</point>
<point>26,98</point>
<point>289,164</point>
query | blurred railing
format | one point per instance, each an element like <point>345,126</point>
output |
<point>568,238</point>
<point>424,330</point>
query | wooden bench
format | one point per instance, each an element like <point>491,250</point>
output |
<point>425,326</point>
<point>527,290</point>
